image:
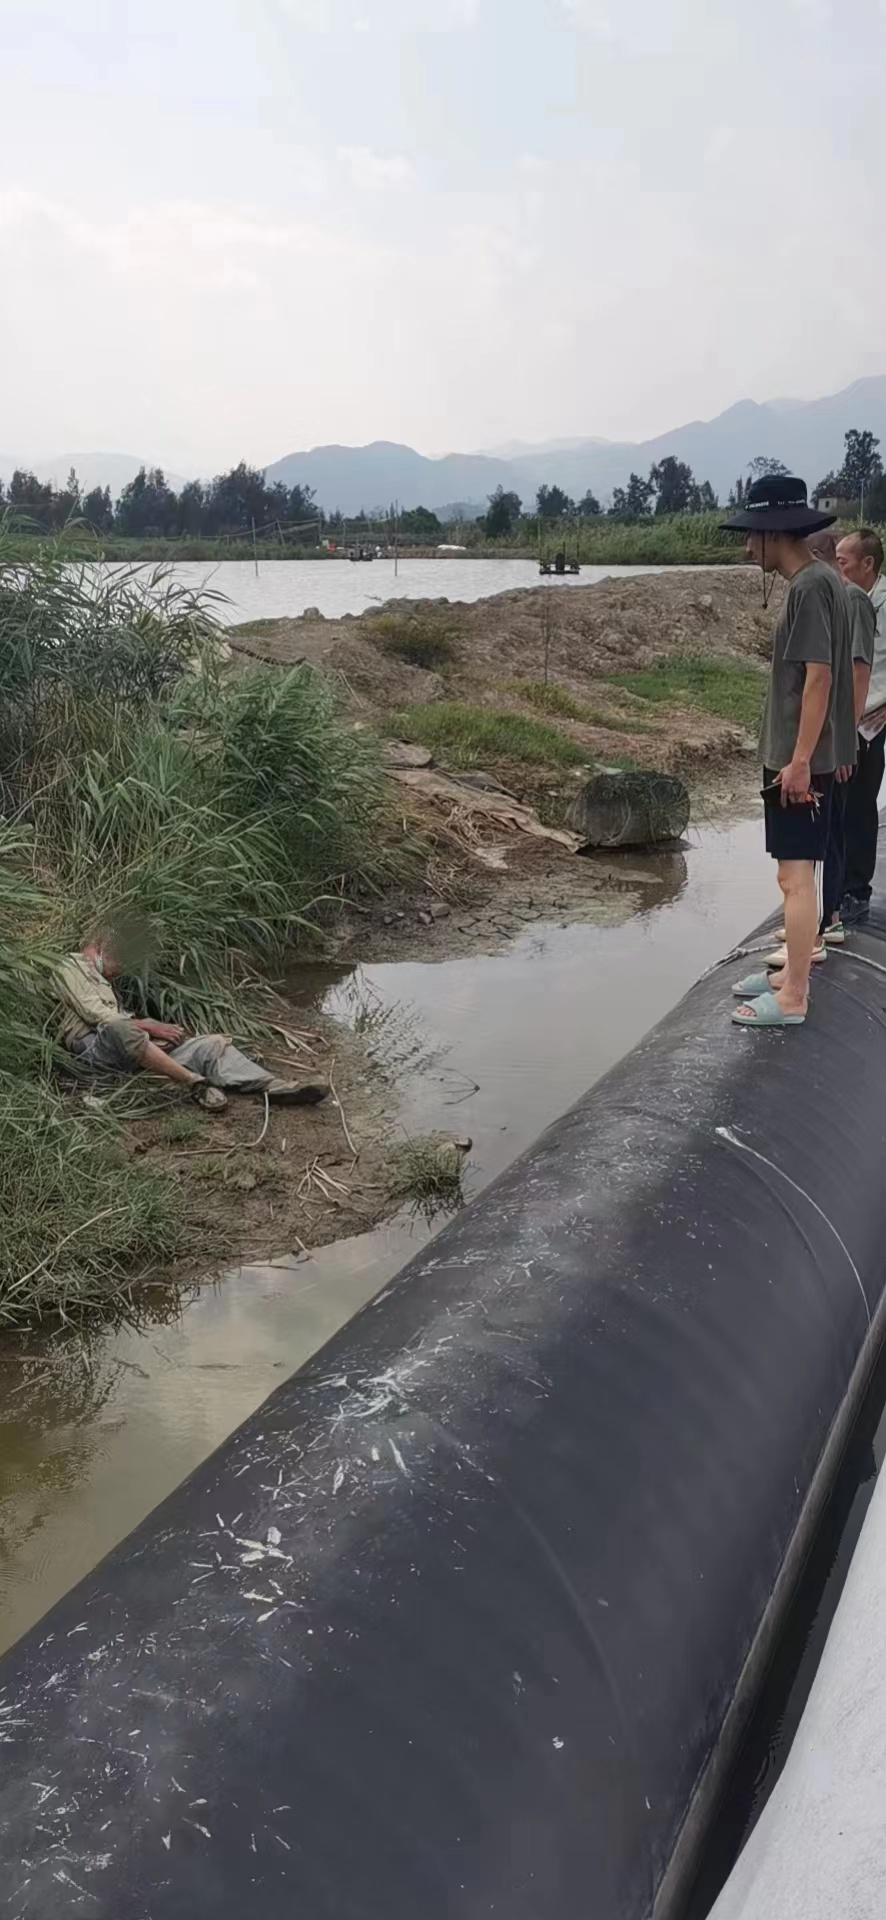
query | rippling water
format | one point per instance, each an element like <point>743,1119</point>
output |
<point>284,588</point>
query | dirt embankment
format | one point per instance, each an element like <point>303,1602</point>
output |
<point>555,658</point>
<point>533,690</point>
<point>496,653</point>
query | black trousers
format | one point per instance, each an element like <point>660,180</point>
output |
<point>833,884</point>
<point>862,818</point>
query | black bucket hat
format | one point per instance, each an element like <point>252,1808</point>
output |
<point>777,504</point>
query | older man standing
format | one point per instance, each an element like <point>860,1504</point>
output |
<point>860,559</point>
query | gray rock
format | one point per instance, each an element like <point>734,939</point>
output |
<point>630,810</point>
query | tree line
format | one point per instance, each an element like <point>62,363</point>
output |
<point>859,482</point>
<point>228,507</point>
<point>233,504</point>
<point>670,488</point>
<point>148,508</point>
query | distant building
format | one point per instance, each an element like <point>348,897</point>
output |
<point>835,503</point>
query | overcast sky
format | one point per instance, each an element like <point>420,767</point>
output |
<point>240,227</point>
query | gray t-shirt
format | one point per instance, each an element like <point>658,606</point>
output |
<point>814,628</point>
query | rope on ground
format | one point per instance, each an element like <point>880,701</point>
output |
<point>251,1144</point>
<point>345,1128</point>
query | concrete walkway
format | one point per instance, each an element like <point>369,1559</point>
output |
<point>819,1849</point>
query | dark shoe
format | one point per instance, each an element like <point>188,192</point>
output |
<point>297,1093</point>
<point>853,911</point>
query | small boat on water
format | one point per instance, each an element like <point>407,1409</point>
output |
<point>559,564</point>
<point>361,553</point>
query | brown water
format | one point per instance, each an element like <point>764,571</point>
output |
<point>90,1442</point>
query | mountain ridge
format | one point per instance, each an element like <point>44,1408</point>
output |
<point>807,435</point>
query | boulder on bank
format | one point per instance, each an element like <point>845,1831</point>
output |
<point>630,810</point>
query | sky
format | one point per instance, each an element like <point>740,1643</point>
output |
<point>235,228</point>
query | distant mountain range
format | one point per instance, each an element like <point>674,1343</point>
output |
<point>807,435</point>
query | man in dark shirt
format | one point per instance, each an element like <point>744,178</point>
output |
<point>807,730</point>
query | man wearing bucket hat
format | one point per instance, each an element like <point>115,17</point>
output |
<point>807,732</point>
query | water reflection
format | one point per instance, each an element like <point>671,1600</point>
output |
<point>652,879</point>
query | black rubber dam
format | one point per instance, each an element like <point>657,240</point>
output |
<point>468,1618</point>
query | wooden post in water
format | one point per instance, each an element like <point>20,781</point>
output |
<point>396,538</point>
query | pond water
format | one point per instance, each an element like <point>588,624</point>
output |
<point>91,1441</point>
<point>282,589</point>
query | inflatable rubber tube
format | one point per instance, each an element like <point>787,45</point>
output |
<point>819,1848</point>
<point>467,1618</point>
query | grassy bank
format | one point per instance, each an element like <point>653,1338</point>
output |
<point>730,690</point>
<point>683,539</point>
<point>462,735</point>
<point>217,818</point>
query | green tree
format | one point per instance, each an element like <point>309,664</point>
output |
<point>66,504</point>
<point>861,464</point>
<point>634,500</point>
<point>421,526</point>
<point>504,512</point>
<point>674,485</point>
<point>31,498</point>
<point>875,500</point>
<point>704,499</point>
<point>147,506</point>
<point>302,505</point>
<point>737,492</point>
<point>97,509</point>
<point>238,498</point>
<point>589,506</point>
<point>551,503</point>
<point>193,509</point>
<point>762,466</point>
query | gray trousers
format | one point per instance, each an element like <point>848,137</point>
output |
<point>222,1064</point>
<point>117,1046</point>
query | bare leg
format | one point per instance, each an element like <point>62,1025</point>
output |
<point>796,879</point>
<point>154,1060</point>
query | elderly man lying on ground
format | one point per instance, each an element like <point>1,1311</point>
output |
<point>104,1037</point>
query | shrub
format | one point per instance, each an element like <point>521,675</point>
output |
<point>418,642</point>
<point>218,813</point>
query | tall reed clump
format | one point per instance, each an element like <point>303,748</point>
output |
<point>223,814</point>
<point>77,1224</point>
<point>228,810</point>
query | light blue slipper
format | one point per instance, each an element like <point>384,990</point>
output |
<point>766,1012</point>
<point>752,986</point>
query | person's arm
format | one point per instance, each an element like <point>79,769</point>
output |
<point>864,627</point>
<point>796,779</point>
<point>160,1030</point>
<point>861,679</point>
<point>810,644</point>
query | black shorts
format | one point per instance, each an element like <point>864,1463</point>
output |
<point>798,832</point>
